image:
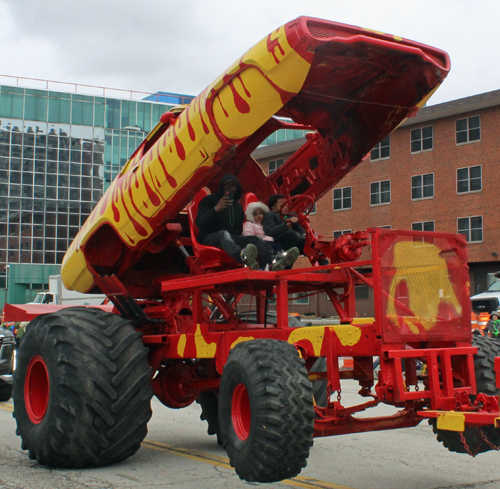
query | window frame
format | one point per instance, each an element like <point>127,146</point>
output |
<point>468,130</point>
<point>380,182</point>
<point>469,168</point>
<point>421,139</point>
<point>341,199</point>
<point>423,223</point>
<point>380,147</point>
<point>296,299</point>
<point>422,186</point>
<point>469,230</point>
<point>342,232</point>
<point>278,165</point>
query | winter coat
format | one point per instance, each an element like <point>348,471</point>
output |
<point>274,226</point>
<point>252,228</point>
<point>209,221</point>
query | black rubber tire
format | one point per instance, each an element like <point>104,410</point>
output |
<point>279,409</point>
<point>488,349</point>
<point>99,389</point>
<point>209,402</point>
<point>5,392</point>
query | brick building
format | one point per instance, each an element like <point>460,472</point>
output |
<point>438,171</point>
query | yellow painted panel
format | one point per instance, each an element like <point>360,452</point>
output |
<point>240,105</point>
<point>315,335</point>
<point>241,339</point>
<point>181,345</point>
<point>203,349</point>
<point>347,334</point>
<point>451,421</point>
<point>363,321</point>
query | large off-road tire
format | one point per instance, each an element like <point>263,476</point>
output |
<point>209,403</point>
<point>82,389</point>
<point>320,386</point>
<point>478,440</point>
<point>266,410</point>
<point>5,392</point>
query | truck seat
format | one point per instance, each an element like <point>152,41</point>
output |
<point>249,198</point>
<point>209,256</point>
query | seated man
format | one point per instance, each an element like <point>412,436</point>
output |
<point>288,233</point>
<point>220,223</point>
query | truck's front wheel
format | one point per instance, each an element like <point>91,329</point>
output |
<point>82,389</point>
<point>266,410</point>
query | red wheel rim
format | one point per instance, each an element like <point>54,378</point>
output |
<point>36,389</point>
<point>240,412</point>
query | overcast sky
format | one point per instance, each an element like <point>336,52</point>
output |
<point>182,45</point>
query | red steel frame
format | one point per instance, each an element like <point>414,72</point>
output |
<point>450,368</point>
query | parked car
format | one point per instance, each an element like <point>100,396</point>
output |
<point>7,347</point>
<point>487,301</point>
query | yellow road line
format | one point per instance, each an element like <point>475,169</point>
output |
<point>215,460</point>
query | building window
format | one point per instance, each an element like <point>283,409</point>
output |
<point>342,198</point>
<point>338,234</point>
<point>423,226</point>
<point>382,150</point>
<point>300,299</point>
<point>421,139</point>
<point>471,228</point>
<point>469,179</point>
<point>274,165</point>
<point>422,186</point>
<point>380,192</point>
<point>468,130</point>
<point>314,209</point>
<point>388,226</point>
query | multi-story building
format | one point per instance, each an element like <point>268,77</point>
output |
<point>438,171</point>
<point>58,152</point>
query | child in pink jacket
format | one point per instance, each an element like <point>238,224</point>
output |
<point>253,225</point>
<point>254,213</point>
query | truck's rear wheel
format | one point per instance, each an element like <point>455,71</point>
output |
<point>266,410</point>
<point>478,440</point>
<point>209,402</point>
<point>82,390</point>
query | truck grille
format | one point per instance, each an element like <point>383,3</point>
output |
<point>485,305</point>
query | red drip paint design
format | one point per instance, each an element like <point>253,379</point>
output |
<point>178,145</point>
<point>247,93</point>
<point>222,107</point>
<point>192,134</point>
<point>130,239</point>
<point>272,44</point>
<point>170,179</point>
<point>240,103</point>
<point>152,195</point>
<point>202,154</point>
<point>197,106</point>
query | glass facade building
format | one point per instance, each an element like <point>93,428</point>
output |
<point>58,154</point>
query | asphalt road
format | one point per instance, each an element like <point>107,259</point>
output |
<point>178,453</point>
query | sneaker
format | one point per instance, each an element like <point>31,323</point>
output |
<point>285,259</point>
<point>249,257</point>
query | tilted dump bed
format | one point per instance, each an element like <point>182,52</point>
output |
<point>350,85</point>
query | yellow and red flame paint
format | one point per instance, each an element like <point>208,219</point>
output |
<point>229,110</point>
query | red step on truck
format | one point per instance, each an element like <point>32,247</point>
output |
<point>179,328</point>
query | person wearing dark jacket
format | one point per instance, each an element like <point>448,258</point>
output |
<point>220,223</point>
<point>288,233</point>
